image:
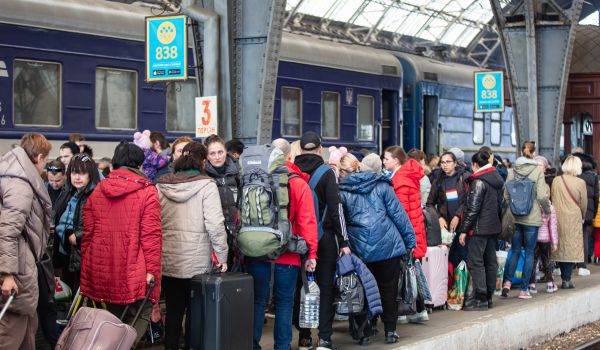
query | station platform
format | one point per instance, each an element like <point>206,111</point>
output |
<point>511,324</point>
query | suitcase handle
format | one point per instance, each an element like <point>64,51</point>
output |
<point>137,315</point>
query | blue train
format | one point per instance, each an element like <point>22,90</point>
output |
<point>78,66</point>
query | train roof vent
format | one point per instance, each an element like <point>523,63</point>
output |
<point>430,76</point>
<point>389,70</point>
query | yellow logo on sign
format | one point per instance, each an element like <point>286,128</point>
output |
<point>488,81</point>
<point>166,33</point>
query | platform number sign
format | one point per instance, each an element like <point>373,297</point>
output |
<point>489,91</point>
<point>166,48</point>
<point>206,116</point>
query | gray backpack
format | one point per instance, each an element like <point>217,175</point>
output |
<point>263,202</point>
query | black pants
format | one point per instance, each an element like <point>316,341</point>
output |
<point>47,321</point>
<point>482,265</point>
<point>325,273</point>
<point>387,274</point>
<point>177,297</point>
<point>543,251</point>
<point>587,232</point>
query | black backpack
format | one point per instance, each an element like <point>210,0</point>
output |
<point>433,231</point>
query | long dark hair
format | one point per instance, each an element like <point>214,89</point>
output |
<point>80,164</point>
<point>192,157</point>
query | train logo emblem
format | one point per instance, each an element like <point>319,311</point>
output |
<point>166,33</point>
<point>488,82</point>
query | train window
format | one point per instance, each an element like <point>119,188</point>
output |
<point>116,99</point>
<point>496,129</point>
<point>513,132</point>
<point>36,93</point>
<point>180,105</point>
<point>330,114</point>
<point>478,128</point>
<point>291,111</point>
<point>365,118</point>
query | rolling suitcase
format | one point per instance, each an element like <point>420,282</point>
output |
<point>435,268</point>
<point>222,311</point>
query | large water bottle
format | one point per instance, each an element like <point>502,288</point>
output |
<point>309,304</point>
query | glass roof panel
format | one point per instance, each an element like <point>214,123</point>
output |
<point>592,19</point>
<point>452,22</point>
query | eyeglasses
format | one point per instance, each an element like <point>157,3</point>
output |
<point>446,162</point>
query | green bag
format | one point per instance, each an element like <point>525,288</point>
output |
<point>456,295</point>
<point>263,202</point>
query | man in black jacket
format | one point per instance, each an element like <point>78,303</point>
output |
<point>334,239</point>
<point>482,225</point>
<point>590,176</point>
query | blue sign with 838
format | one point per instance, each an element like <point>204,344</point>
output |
<point>489,91</point>
<point>166,48</point>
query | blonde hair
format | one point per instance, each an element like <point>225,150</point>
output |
<point>349,164</point>
<point>572,166</point>
<point>295,150</point>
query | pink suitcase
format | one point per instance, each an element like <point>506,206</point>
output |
<point>435,268</point>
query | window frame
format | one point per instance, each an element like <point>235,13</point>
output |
<point>358,116</point>
<point>300,112</point>
<point>499,122</point>
<point>476,119</point>
<point>60,95</point>
<point>167,104</point>
<point>136,97</point>
<point>339,114</point>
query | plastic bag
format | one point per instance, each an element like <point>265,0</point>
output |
<point>501,256</point>
<point>407,288</point>
<point>456,295</point>
<point>422,285</point>
<point>447,237</point>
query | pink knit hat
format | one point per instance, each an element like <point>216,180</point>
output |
<point>541,160</point>
<point>335,154</point>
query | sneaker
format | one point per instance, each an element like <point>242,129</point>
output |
<point>476,305</point>
<point>391,337</point>
<point>305,344</point>
<point>583,271</point>
<point>364,341</point>
<point>326,345</point>
<point>551,287</point>
<point>402,320</point>
<point>596,261</point>
<point>506,288</point>
<point>419,317</point>
<point>567,285</point>
<point>524,294</point>
<point>532,288</point>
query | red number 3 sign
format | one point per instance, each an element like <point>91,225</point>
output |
<point>206,112</point>
<point>206,116</point>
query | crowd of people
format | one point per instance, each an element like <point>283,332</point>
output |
<point>157,214</point>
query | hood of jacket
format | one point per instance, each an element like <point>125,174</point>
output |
<point>587,162</point>
<point>362,182</point>
<point>490,175</point>
<point>231,167</point>
<point>525,166</point>
<point>413,171</point>
<point>16,163</point>
<point>180,187</point>
<point>294,170</point>
<point>123,181</point>
<point>308,163</point>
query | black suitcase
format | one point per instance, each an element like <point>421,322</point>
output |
<point>222,311</point>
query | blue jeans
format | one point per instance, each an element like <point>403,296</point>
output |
<point>284,289</point>
<point>525,237</point>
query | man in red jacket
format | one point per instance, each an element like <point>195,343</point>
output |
<point>304,224</point>
<point>121,247</point>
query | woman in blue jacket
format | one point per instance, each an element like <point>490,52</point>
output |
<point>379,230</point>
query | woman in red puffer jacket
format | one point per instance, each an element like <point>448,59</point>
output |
<point>121,247</point>
<point>406,177</point>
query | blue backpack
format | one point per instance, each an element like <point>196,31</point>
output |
<point>520,194</point>
<point>315,177</point>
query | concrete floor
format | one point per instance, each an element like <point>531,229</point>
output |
<point>512,323</point>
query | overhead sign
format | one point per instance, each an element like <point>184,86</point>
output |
<point>206,116</point>
<point>489,91</point>
<point>588,127</point>
<point>166,48</point>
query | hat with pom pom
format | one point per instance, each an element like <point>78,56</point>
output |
<point>335,154</point>
<point>142,139</point>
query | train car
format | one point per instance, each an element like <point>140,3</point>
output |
<point>78,66</point>
<point>438,110</point>
<point>349,94</point>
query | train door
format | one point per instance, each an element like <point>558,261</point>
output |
<point>582,132</point>
<point>390,124</point>
<point>430,141</point>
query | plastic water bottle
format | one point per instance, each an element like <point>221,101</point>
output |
<point>309,304</point>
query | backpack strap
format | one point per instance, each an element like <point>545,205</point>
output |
<point>315,177</point>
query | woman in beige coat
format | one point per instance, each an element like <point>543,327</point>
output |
<point>569,196</point>
<point>193,227</point>
<point>25,210</point>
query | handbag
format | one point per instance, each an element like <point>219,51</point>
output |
<point>508,224</point>
<point>46,283</point>
<point>407,289</point>
<point>422,286</point>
